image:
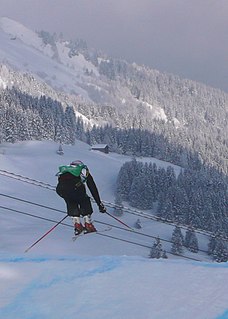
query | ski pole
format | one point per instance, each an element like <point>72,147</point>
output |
<point>38,240</point>
<point>119,221</point>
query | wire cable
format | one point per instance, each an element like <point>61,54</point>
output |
<point>114,226</point>
<point>108,204</point>
<point>110,236</point>
<point>112,205</point>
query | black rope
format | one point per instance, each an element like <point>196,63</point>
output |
<point>162,220</point>
<point>112,205</point>
<point>32,215</point>
<point>142,245</point>
<point>143,234</point>
<point>118,227</point>
<point>32,203</point>
<point>25,179</point>
<point>113,237</point>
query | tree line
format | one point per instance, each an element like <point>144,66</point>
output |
<point>196,198</point>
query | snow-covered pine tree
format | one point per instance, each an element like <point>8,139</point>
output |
<point>128,172</point>
<point>220,252</point>
<point>177,241</point>
<point>156,250</point>
<point>60,150</point>
<point>118,209</point>
<point>164,254</point>
<point>211,245</point>
<point>123,183</point>
<point>141,192</point>
<point>70,125</point>
<point>191,241</point>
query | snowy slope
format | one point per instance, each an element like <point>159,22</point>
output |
<point>111,287</point>
<point>39,161</point>
<point>96,276</point>
<point>23,50</point>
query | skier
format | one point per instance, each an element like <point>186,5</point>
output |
<point>71,187</point>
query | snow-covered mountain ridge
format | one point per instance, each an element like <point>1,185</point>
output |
<point>59,68</point>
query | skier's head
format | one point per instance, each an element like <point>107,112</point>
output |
<point>82,168</point>
<point>76,163</point>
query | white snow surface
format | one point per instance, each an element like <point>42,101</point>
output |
<point>96,276</point>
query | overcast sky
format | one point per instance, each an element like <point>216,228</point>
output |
<point>184,37</point>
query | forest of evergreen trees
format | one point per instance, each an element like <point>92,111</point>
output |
<point>196,115</point>
<point>195,198</point>
<point>138,142</point>
<point>24,117</point>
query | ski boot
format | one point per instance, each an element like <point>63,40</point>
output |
<point>89,227</point>
<point>78,228</point>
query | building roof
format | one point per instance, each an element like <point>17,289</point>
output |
<point>99,145</point>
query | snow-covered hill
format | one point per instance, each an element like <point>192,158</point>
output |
<point>64,70</point>
<point>97,276</point>
<point>26,51</point>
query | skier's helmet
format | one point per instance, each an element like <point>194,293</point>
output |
<point>82,169</point>
<point>76,163</point>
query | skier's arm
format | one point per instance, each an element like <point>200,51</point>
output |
<point>93,189</point>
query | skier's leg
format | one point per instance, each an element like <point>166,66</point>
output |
<point>74,212</point>
<point>78,228</point>
<point>89,227</point>
<point>86,211</point>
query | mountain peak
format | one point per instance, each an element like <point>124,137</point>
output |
<point>13,27</point>
<point>16,30</point>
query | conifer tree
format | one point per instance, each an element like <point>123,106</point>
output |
<point>220,252</point>
<point>191,241</point>
<point>211,245</point>
<point>177,241</point>
<point>156,250</point>
<point>164,254</point>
